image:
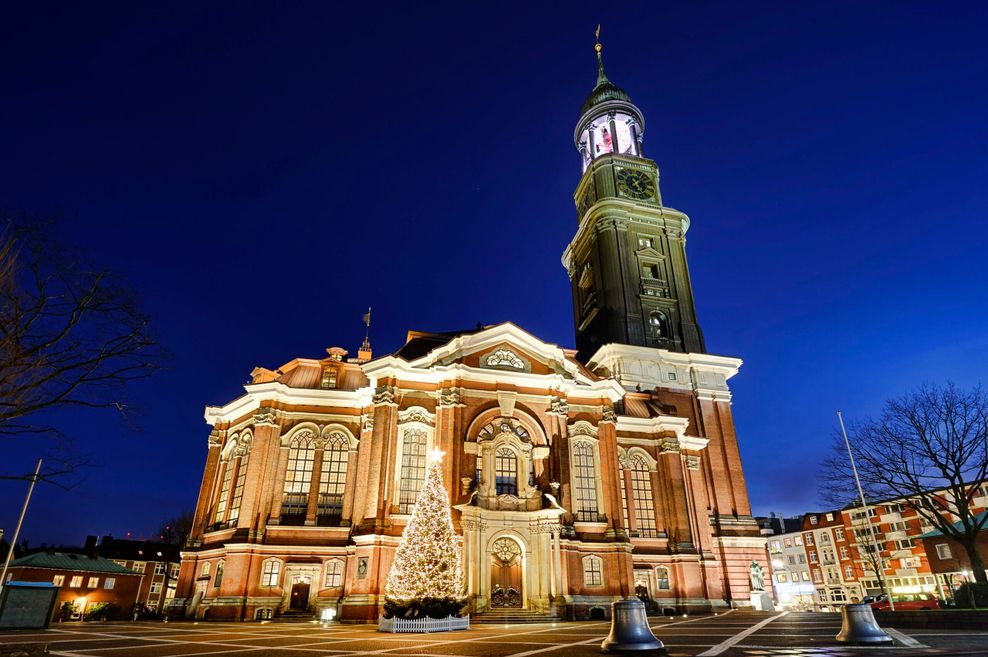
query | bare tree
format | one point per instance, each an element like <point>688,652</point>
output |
<point>928,449</point>
<point>70,334</point>
<point>176,530</point>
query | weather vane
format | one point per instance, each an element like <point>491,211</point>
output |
<point>598,47</point>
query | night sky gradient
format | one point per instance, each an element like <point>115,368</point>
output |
<point>262,174</point>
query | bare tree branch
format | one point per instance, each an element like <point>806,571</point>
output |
<point>929,450</point>
<point>70,335</point>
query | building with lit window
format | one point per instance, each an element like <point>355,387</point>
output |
<point>578,476</point>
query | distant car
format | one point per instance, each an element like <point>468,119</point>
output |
<point>904,602</point>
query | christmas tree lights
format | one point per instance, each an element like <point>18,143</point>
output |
<point>426,577</point>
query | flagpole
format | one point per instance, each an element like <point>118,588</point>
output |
<point>864,507</point>
<point>20,521</point>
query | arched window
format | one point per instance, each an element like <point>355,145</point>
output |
<point>660,323</point>
<point>412,468</point>
<point>218,579</point>
<point>205,570</point>
<point>238,488</point>
<point>298,477</point>
<point>334,574</point>
<point>332,478</point>
<point>585,476</point>
<point>221,501</point>
<point>593,571</point>
<point>271,573</point>
<point>641,492</point>
<point>506,472</point>
<point>662,578</point>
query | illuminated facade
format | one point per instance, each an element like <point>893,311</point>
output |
<point>577,477</point>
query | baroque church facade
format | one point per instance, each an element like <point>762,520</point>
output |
<point>577,476</point>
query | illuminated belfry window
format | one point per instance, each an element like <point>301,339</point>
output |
<point>298,477</point>
<point>224,492</point>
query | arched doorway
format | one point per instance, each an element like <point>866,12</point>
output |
<point>506,573</point>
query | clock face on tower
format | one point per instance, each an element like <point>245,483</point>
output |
<point>635,184</point>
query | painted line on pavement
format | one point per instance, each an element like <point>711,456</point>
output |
<point>904,639</point>
<point>737,638</point>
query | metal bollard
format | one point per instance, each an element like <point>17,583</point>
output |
<point>629,628</point>
<point>859,625</point>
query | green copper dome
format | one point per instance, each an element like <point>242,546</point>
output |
<point>604,91</point>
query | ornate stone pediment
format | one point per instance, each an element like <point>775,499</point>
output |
<point>416,414</point>
<point>505,358</point>
<point>384,395</point>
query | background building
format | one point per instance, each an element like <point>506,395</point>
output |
<point>578,477</point>
<point>84,582</point>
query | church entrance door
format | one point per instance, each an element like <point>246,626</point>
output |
<point>505,573</point>
<point>300,596</point>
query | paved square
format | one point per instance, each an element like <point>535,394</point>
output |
<point>733,634</point>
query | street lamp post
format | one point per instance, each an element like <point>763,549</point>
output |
<point>864,507</point>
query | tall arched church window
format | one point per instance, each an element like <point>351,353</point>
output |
<point>506,472</point>
<point>224,497</point>
<point>412,468</point>
<point>586,482</point>
<point>641,492</point>
<point>332,478</point>
<point>238,488</point>
<point>298,477</point>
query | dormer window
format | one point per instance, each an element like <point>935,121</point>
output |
<point>328,378</point>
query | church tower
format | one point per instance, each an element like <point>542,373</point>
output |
<point>627,261</point>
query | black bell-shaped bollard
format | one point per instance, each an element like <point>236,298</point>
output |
<point>859,626</point>
<point>629,628</point>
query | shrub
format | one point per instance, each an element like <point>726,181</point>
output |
<point>99,611</point>
<point>963,594</point>
<point>421,608</point>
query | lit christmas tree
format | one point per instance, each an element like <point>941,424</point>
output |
<point>426,578</point>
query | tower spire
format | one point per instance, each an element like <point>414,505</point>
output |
<point>601,76</point>
<point>364,354</point>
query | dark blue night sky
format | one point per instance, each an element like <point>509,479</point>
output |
<point>262,174</point>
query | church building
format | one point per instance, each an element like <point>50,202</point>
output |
<point>577,476</point>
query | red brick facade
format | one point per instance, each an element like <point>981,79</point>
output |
<point>665,504</point>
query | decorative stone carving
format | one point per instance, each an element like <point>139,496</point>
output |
<point>450,397</point>
<point>559,406</point>
<point>757,576</point>
<point>544,527</point>
<point>213,440</point>
<point>465,485</point>
<point>582,428</point>
<point>607,414</point>
<point>504,358</point>
<point>243,444</point>
<point>503,425</point>
<point>368,421</point>
<point>384,395</point>
<point>668,445</point>
<point>693,462</point>
<point>473,525</point>
<point>266,417</point>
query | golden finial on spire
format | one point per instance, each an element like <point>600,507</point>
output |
<point>598,47</point>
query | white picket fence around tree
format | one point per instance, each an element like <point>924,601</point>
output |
<point>423,625</point>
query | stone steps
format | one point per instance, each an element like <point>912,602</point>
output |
<point>511,617</point>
